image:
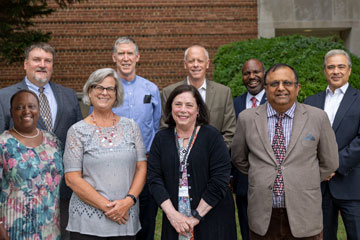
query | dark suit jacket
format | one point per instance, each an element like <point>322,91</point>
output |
<point>311,156</point>
<point>345,184</point>
<point>208,176</point>
<point>68,113</point>
<point>240,180</point>
<point>220,104</point>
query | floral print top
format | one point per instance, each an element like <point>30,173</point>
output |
<point>29,187</point>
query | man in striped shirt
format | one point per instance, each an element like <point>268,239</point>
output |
<point>287,149</point>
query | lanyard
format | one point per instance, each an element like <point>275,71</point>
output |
<point>184,161</point>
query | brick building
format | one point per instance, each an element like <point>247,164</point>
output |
<point>83,35</point>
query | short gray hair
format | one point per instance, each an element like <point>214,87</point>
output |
<point>42,45</point>
<point>337,52</point>
<point>97,77</point>
<point>187,51</point>
<point>125,40</point>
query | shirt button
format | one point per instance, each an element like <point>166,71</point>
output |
<point>188,175</point>
<point>271,188</point>
<point>190,199</point>
<point>189,187</point>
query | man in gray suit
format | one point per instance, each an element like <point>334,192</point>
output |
<point>63,103</point>
<point>217,97</point>
<point>287,149</point>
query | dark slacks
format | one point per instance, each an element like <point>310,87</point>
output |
<point>64,218</point>
<point>79,236</point>
<point>148,212</point>
<point>279,228</point>
<point>350,213</point>
<point>242,203</point>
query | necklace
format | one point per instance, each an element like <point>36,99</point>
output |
<point>103,138</point>
<point>33,136</point>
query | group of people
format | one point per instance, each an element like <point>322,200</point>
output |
<point>294,166</point>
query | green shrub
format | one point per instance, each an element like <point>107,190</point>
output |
<point>304,54</point>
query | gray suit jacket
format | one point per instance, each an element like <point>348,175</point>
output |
<point>220,104</point>
<point>68,113</point>
<point>310,158</point>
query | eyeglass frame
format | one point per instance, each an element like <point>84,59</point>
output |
<point>100,89</point>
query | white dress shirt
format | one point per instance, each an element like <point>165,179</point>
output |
<point>202,89</point>
<point>333,100</point>
<point>258,97</point>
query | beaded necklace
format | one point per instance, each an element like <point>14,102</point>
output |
<point>102,136</point>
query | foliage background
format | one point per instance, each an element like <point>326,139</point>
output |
<point>304,54</point>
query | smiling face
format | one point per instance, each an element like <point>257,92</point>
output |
<point>337,71</point>
<point>253,76</point>
<point>125,59</point>
<point>39,66</point>
<point>184,110</point>
<point>196,64</point>
<point>103,99</point>
<point>283,96</point>
<point>25,112</point>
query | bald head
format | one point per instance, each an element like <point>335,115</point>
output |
<point>253,73</point>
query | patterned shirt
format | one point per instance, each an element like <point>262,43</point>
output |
<point>287,122</point>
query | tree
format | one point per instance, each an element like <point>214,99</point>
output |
<point>304,54</point>
<point>15,23</point>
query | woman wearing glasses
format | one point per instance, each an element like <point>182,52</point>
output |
<point>105,165</point>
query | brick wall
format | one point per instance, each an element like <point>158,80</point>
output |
<point>83,35</point>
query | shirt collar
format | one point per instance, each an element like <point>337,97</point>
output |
<point>203,86</point>
<point>258,96</point>
<point>124,82</point>
<point>341,89</point>
<point>290,112</point>
<point>35,88</point>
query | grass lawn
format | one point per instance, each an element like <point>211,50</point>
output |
<point>341,230</point>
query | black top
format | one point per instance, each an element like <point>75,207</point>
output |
<point>208,175</point>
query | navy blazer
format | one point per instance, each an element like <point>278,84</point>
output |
<point>240,181</point>
<point>68,113</point>
<point>345,184</point>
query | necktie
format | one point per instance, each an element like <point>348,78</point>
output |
<point>45,109</point>
<point>279,149</point>
<point>253,100</point>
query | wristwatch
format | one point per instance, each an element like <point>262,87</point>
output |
<point>132,197</point>
<point>196,214</point>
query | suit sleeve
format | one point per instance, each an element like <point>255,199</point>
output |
<point>229,124</point>
<point>154,173</point>
<point>219,168</point>
<point>239,148</point>
<point>164,98</point>
<point>327,149</point>
<point>349,156</point>
<point>77,109</point>
<point>2,119</point>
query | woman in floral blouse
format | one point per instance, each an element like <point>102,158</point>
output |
<point>30,174</point>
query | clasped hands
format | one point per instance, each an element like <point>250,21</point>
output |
<point>118,210</point>
<point>182,224</point>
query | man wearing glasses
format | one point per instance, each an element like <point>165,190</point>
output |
<point>286,148</point>
<point>341,102</point>
<point>141,103</point>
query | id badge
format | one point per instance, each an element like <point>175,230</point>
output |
<point>183,191</point>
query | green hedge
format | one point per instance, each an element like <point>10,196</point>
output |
<point>305,54</point>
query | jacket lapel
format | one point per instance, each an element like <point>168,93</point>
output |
<point>262,128</point>
<point>347,101</point>
<point>299,121</point>
<point>59,102</point>
<point>209,94</point>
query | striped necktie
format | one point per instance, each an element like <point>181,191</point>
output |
<point>45,109</point>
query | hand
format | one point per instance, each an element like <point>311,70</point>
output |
<point>3,233</point>
<point>119,211</point>
<point>179,222</point>
<point>193,222</point>
<point>329,177</point>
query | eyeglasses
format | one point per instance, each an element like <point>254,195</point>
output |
<point>275,84</point>
<point>100,89</point>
